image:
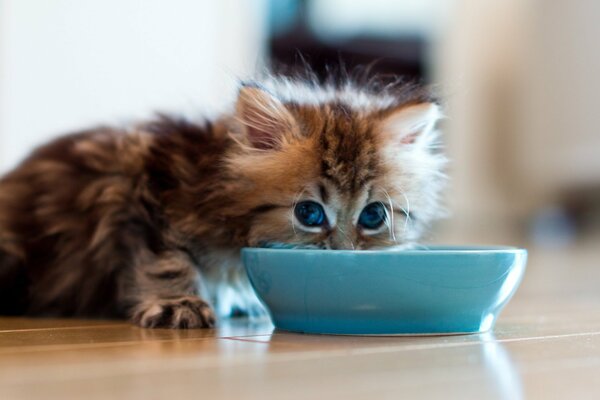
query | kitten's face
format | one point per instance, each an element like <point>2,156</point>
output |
<point>335,176</point>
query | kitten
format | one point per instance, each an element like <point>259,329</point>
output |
<point>147,222</point>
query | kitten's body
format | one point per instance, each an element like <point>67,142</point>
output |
<point>133,222</point>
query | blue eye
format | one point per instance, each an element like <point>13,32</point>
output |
<point>310,213</point>
<point>372,216</point>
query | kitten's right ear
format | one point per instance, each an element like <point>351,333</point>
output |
<point>408,123</point>
<point>265,120</point>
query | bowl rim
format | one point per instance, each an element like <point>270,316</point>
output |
<point>430,250</point>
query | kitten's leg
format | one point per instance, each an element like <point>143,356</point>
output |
<point>166,290</point>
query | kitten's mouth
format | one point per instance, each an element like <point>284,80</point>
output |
<point>281,245</point>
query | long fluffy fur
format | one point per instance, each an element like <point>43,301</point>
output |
<point>146,222</point>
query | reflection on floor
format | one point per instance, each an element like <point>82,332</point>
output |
<point>546,345</point>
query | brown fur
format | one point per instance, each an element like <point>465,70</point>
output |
<point>120,222</point>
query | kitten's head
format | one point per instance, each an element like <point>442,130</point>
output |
<point>336,166</point>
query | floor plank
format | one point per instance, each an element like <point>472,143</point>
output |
<point>546,345</point>
<point>482,370</point>
<point>118,333</point>
<point>23,324</point>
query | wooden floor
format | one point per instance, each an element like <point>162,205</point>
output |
<point>546,345</point>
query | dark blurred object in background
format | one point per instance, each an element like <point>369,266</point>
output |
<point>295,39</point>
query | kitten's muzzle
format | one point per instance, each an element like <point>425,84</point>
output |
<point>339,240</point>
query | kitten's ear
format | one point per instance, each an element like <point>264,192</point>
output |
<point>265,120</point>
<point>407,124</point>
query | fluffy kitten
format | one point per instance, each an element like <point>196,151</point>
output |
<point>136,222</point>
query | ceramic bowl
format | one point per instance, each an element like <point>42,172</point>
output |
<point>438,290</point>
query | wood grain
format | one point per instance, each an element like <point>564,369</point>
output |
<point>546,345</point>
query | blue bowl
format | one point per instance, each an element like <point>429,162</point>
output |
<point>440,290</point>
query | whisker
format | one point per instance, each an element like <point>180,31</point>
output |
<point>390,214</point>
<point>406,211</point>
<point>296,200</point>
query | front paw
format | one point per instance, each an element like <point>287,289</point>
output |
<point>177,312</point>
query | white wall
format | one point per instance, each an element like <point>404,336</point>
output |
<point>559,124</point>
<point>474,62</point>
<point>68,64</point>
<point>521,81</point>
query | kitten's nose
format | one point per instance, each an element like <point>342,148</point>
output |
<point>340,241</point>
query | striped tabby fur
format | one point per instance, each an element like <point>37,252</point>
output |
<point>147,222</point>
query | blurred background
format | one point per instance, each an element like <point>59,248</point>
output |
<point>518,78</point>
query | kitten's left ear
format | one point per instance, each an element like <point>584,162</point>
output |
<point>265,120</point>
<point>407,124</point>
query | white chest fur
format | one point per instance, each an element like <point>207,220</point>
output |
<point>225,283</point>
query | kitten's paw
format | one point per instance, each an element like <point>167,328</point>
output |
<point>178,313</point>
